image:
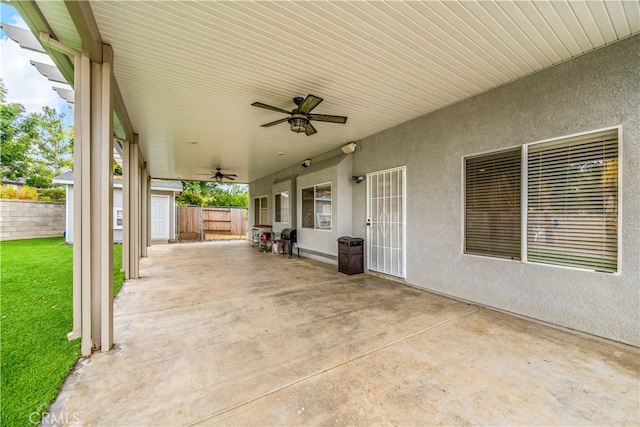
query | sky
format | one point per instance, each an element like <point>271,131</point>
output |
<point>25,85</point>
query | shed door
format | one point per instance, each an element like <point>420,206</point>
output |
<point>386,222</point>
<point>159,217</point>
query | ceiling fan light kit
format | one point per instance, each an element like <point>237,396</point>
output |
<point>218,176</point>
<point>298,123</point>
<point>300,118</point>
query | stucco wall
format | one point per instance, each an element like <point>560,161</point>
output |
<point>323,243</point>
<point>594,91</point>
<point>293,179</point>
<point>22,219</point>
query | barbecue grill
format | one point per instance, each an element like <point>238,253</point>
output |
<point>289,237</point>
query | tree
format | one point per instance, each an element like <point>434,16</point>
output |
<point>194,193</point>
<point>17,131</point>
<point>36,146</point>
<point>52,150</point>
<point>230,195</point>
<point>202,193</point>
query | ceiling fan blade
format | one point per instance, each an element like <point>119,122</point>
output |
<point>230,175</point>
<point>269,107</point>
<point>309,129</point>
<point>309,103</point>
<point>266,125</point>
<point>230,178</point>
<point>327,118</point>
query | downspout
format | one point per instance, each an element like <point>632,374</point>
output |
<point>76,332</point>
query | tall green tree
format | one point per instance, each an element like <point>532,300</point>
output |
<point>17,131</point>
<point>36,146</point>
<point>52,150</point>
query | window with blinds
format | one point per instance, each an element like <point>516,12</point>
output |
<point>492,204</point>
<point>572,202</point>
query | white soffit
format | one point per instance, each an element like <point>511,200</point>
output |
<point>189,71</point>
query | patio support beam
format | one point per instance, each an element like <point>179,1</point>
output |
<point>134,211</point>
<point>97,96</point>
<point>35,20</point>
<point>126,208</point>
<point>86,26</point>
<point>144,199</point>
<point>93,201</point>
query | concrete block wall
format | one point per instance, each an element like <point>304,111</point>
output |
<point>27,219</point>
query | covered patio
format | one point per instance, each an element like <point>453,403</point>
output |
<point>218,333</point>
<point>428,88</point>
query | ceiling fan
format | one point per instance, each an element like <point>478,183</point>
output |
<point>299,118</point>
<point>219,176</point>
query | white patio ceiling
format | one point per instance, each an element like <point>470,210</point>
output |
<point>189,71</point>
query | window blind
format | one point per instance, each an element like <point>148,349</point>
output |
<point>572,202</point>
<point>492,204</point>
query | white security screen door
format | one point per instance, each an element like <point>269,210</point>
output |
<point>386,222</point>
<point>159,217</point>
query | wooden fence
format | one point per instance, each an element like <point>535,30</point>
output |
<point>198,223</point>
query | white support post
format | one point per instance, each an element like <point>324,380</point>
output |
<point>126,209</point>
<point>93,204</point>
<point>82,241</point>
<point>76,332</point>
<point>135,208</point>
<point>93,196</point>
<point>131,198</point>
<point>106,199</point>
<point>144,212</point>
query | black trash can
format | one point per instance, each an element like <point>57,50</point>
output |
<point>350,255</point>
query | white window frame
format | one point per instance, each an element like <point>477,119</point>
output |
<point>287,219</point>
<point>315,198</point>
<point>463,233</point>
<point>257,202</point>
<point>525,198</point>
<point>524,204</point>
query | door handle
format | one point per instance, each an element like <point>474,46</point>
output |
<point>368,222</point>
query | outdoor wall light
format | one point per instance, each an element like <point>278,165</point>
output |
<point>357,179</point>
<point>349,148</point>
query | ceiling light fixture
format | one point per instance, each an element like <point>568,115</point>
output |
<point>298,123</point>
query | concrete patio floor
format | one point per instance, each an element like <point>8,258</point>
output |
<point>217,333</point>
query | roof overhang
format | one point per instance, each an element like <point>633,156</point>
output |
<point>186,73</point>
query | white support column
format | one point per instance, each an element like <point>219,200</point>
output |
<point>83,197</point>
<point>78,150</point>
<point>134,197</point>
<point>144,199</point>
<point>93,203</point>
<point>131,205</point>
<point>126,209</point>
<point>106,200</point>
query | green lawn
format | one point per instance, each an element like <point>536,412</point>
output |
<point>36,315</point>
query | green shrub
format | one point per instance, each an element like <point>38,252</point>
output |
<point>55,194</point>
